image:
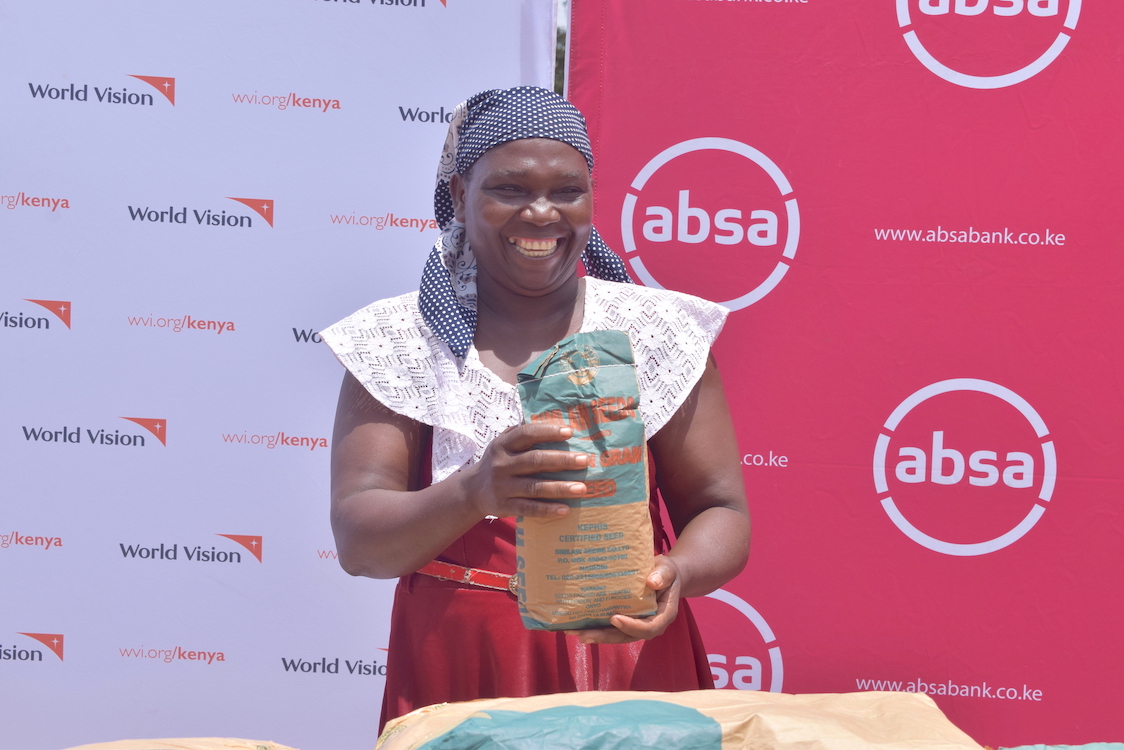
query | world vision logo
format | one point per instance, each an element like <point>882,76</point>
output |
<point>711,203</point>
<point>210,217</point>
<point>987,44</point>
<point>25,320</point>
<point>158,429</point>
<point>197,553</point>
<point>742,649</point>
<point>23,200</point>
<point>21,652</point>
<point>964,467</point>
<point>109,94</point>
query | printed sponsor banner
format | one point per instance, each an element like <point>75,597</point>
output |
<point>926,322</point>
<point>196,553</point>
<point>178,209</point>
<point>743,651</point>
<point>80,93</point>
<point>212,217</point>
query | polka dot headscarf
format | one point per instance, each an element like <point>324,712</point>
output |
<point>447,296</point>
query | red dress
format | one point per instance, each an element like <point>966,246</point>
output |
<point>456,642</point>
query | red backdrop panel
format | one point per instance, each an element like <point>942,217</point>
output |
<point>915,211</point>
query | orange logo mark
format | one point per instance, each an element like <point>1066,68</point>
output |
<point>166,86</point>
<point>58,307</point>
<point>158,427</point>
<point>262,206</point>
<point>252,543</point>
<point>52,641</point>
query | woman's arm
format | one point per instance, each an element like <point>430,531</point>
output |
<point>698,469</point>
<point>700,478</point>
<point>386,525</point>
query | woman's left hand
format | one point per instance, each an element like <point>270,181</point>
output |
<point>664,580</point>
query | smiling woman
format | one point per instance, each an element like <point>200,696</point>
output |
<point>431,462</point>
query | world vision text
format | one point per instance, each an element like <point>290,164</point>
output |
<point>324,666</point>
<point>307,335</point>
<point>74,94</point>
<point>284,101</point>
<point>206,218</point>
<point>20,321</point>
<point>15,653</point>
<point>176,325</point>
<point>172,552</point>
<point>272,441</point>
<point>420,115</point>
<point>68,435</point>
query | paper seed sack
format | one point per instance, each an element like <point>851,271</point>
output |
<point>577,571</point>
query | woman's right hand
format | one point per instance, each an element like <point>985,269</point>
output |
<point>503,482</point>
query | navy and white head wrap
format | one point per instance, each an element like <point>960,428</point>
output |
<point>447,297</point>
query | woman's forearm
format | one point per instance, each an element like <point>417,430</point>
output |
<point>384,533</point>
<point>711,549</point>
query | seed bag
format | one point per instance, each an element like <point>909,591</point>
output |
<point>577,571</point>
<point>690,720</point>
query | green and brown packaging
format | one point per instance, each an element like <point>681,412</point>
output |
<point>577,571</point>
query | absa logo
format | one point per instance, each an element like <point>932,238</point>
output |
<point>992,43</point>
<point>967,460</point>
<point>715,204</point>
<point>741,647</point>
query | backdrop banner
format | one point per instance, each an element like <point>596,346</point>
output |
<point>913,210</point>
<point>188,193</point>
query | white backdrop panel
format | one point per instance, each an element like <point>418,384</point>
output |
<point>332,187</point>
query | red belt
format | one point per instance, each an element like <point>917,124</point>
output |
<point>472,576</point>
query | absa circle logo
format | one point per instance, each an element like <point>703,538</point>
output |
<point>965,32</point>
<point>955,469</point>
<point>743,653</point>
<point>715,206</point>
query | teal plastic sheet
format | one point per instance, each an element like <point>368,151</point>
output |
<point>626,725</point>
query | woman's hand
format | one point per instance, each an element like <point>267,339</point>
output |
<point>664,580</point>
<point>388,523</point>
<point>503,484</point>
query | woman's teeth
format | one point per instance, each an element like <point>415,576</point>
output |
<point>534,248</point>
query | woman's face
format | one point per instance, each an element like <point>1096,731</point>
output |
<point>527,207</point>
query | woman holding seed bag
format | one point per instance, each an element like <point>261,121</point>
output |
<point>433,456</point>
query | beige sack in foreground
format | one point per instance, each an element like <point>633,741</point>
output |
<point>185,743</point>
<point>749,720</point>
